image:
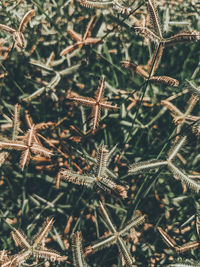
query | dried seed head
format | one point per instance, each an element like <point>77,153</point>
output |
<point>121,191</point>
<point>20,239</point>
<point>77,250</point>
<point>26,19</point>
<point>122,9</point>
<point>43,232</point>
<point>188,246</point>
<point>168,240</point>
<point>180,175</point>
<point>176,148</point>
<point>101,161</point>
<point>75,178</point>
<point>154,19</point>
<point>183,37</point>
<point>142,166</point>
<point>148,34</point>
<point>6,29</point>
<point>16,122</point>
<point>96,4</point>
<point>3,156</point>
<point>164,80</point>
<point>49,254</point>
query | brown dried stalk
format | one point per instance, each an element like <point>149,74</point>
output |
<point>81,134</point>
<point>81,41</point>
<point>135,68</point>
<point>17,34</point>
<point>96,103</point>
<point>171,242</point>
<point>155,59</point>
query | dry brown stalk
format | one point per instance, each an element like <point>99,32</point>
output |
<point>155,59</point>
<point>171,243</point>
<point>135,68</point>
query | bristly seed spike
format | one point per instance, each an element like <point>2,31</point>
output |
<point>77,250</point>
<point>154,19</point>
